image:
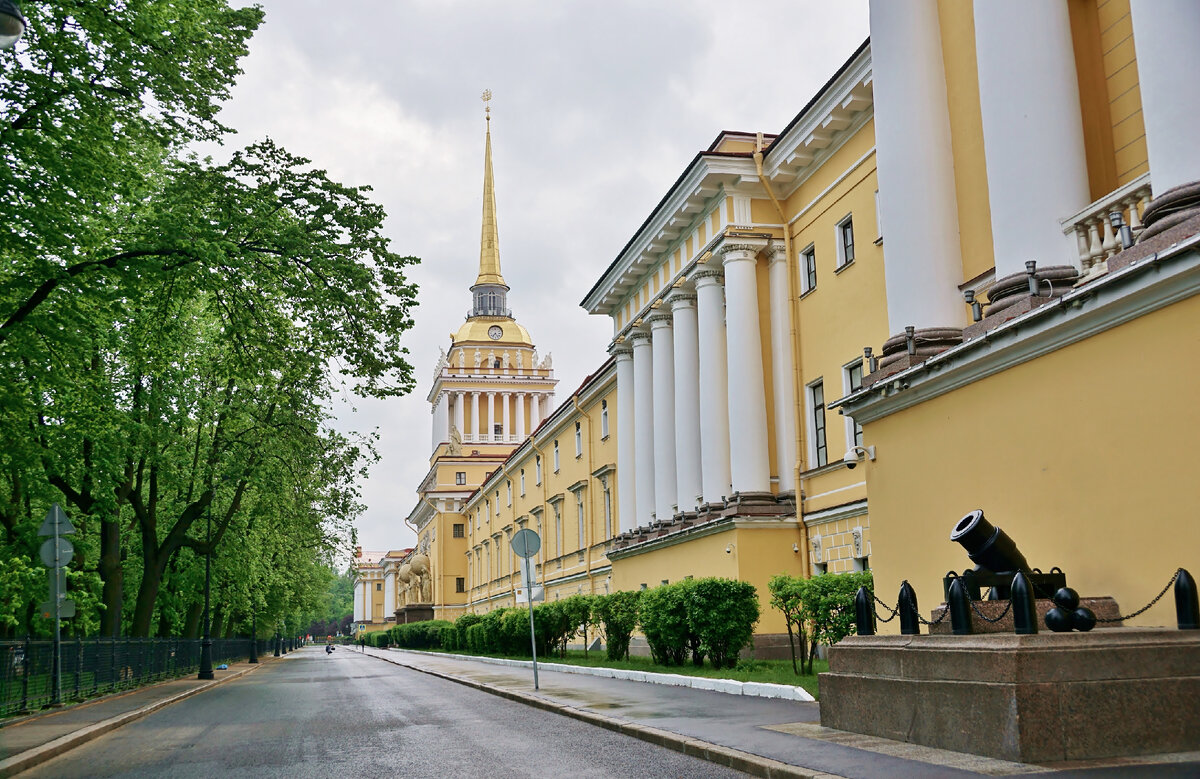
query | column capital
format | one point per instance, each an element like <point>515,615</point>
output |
<point>639,336</point>
<point>660,319</point>
<point>776,252</point>
<point>734,252</point>
<point>622,350</point>
<point>706,275</point>
<point>682,298</point>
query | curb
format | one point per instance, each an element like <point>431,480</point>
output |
<point>746,762</point>
<point>34,756</point>
<point>727,686</point>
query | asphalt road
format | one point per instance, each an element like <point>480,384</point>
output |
<point>348,715</point>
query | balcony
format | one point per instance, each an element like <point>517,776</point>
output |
<point>1096,236</point>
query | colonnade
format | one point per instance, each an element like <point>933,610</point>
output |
<point>1032,132</point>
<point>692,414</point>
<point>498,408</point>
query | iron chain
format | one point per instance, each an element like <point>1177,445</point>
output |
<point>889,608</point>
<point>1145,608</point>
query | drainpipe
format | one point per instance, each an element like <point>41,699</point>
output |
<point>587,524</point>
<point>793,314</point>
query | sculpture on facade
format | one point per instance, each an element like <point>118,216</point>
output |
<point>455,447</point>
<point>462,358</point>
<point>504,360</point>
<point>478,357</point>
<point>520,359</point>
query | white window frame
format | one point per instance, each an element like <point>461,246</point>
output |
<point>522,481</point>
<point>578,440</point>
<point>603,419</point>
<point>847,222</point>
<point>460,477</point>
<point>853,429</point>
<point>509,488</point>
<point>537,462</point>
<point>556,460</point>
<point>805,285</point>
<point>579,511</point>
<point>811,416</point>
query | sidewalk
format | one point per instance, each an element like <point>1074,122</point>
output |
<point>761,736</point>
<point>35,739</point>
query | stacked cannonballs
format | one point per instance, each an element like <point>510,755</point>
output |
<point>1067,614</point>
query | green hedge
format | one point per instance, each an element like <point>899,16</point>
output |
<point>418,635</point>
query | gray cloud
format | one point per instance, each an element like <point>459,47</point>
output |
<point>598,107</point>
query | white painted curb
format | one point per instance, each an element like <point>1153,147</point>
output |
<point>728,686</point>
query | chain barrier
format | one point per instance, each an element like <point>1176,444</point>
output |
<point>980,614</point>
<point>1145,608</point>
<point>895,612</point>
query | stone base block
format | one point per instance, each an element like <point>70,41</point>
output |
<point>1103,608</point>
<point>1041,698</point>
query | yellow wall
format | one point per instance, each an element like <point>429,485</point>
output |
<point>1124,96</point>
<point>1084,456</point>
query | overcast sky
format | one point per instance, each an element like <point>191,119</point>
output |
<point>597,108</point>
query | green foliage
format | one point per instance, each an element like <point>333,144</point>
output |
<point>663,616</point>
<point>577,616</point>
<point>722,613</point>
<point>616,616</point>
<point>418,635</point>
<point>822,606</point>
<point>462,624</point>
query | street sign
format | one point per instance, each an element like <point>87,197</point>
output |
<point>56,552</point>
<point>526,543</point>
<point>539,594</point>
<point>66,608</point>
<point>58,581</point>
<point>56,523</point>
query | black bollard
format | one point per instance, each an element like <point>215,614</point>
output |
<point>907,606</point>
<point>960,608</point>
<point>864,612</point>
<point>1187,604</point>
<point>1024,609</point>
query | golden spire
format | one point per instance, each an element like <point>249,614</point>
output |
<point>489,243</point>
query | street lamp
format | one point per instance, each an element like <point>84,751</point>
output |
<point>253,631</point>
<point>206,665</point>
<point>12,24</point>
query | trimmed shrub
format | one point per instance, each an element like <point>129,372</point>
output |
<point>477,639</point>
<point>663,616</point>
<point>448,637</point>
<point>420,635</point>
<point>577,615</point>
<point>617,614</point>
<point>722,613</point>
<point>461,624</point>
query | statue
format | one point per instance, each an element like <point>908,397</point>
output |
<point>533,362</point>
<point>520,359</point>
<point>455,441</point>
<point>462,358</point>
<point>549,362</point>
<point>491,359</point>
<point>478,357</point>
<point>505,361</point>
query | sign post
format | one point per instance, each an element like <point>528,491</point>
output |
<point>525,544</point>
<point>56,552</point>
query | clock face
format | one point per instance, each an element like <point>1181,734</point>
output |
<point>495,332</point>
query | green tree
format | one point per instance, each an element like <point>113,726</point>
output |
<point>616,617</point>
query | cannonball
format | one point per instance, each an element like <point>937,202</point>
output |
<point>1083,619</point>
<point>1066,598</point>
<point>1058,620</point>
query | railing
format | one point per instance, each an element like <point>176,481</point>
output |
<point>1096,236</point>
<point>101,665</point>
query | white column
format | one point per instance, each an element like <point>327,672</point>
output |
<point>358,601</point>
<point>1165,35</point>
<point>491,417</point>
<point>367,601</point>
<point>459,416</point>
<point>626,463</point>
<point>751,469</point>
<point>520,416</point>
<point>687,400</point>
<point>917,202</point>
<point>389,594</point>
<point>714,393</point>
<point>535,411</point>
<point>781,369</point>
<point>643,422</point>
<point>474,416</point>
<point>504,398</point>
<point>1032,130</point>
<point>662,350</point>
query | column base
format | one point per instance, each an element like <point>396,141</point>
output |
<point>927,342</point>
<point>1009,298</point>
<point>759,505</point>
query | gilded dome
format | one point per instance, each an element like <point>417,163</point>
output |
<point>476,330</point>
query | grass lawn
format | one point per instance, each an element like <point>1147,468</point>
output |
<point>767,671</point>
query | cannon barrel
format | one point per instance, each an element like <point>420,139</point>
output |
<point>988,546</point>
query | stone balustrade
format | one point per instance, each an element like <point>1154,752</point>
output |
<point>1097,237</point>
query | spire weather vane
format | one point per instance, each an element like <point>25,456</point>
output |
<point>487,100</point>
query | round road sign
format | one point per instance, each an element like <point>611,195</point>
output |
<point>526,543</point>
<point>56,558</point>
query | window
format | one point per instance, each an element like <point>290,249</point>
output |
<point>808,268</point>
<point>845,237</point>
<point>579,511</point>
<point>604,419</point>
<point>460,531</point>
<point>853,376</point>
<point>862,564</point>
<point>578,440</point>
<point>522,481</point>
<point>496,363</point>
<point>556,456</point>
<point>460,477</point>
<point>816,398</point>
<point>537,464</point>
<point>558,545</point>
<point>460,584</point>
<point>498,429</point>
<point>607,509</point>
<point>378,586</point>
<point>819,568</point>
<point>508,486</point>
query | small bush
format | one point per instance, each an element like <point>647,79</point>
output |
<point>419,635</point>
<point>616,615</point>
<point>462,624</point>
<point>448,637</point>
<point>663,616</point>
<point>723,613</point>
<point>477,639</point>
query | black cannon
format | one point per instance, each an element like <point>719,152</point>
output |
<point>997,559</point>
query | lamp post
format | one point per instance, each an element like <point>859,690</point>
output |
<point>253,632</point>
<point>12,24</point>
<point>206,665</point>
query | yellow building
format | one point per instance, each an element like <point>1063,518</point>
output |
<point>740,307</point>
<point>375,587</point>
<point>1036,131</point>
<point>490,390</point>
<point>560,483</point>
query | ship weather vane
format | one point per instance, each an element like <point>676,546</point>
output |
<point>487,103</point>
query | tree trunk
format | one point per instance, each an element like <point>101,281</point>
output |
<point>792,646</point>
<point>143,611</point>
<point>112,575</point>
<point>218,617</point>
<point>191,625</point>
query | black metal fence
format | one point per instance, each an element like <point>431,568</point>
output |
<point>95,666</point>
